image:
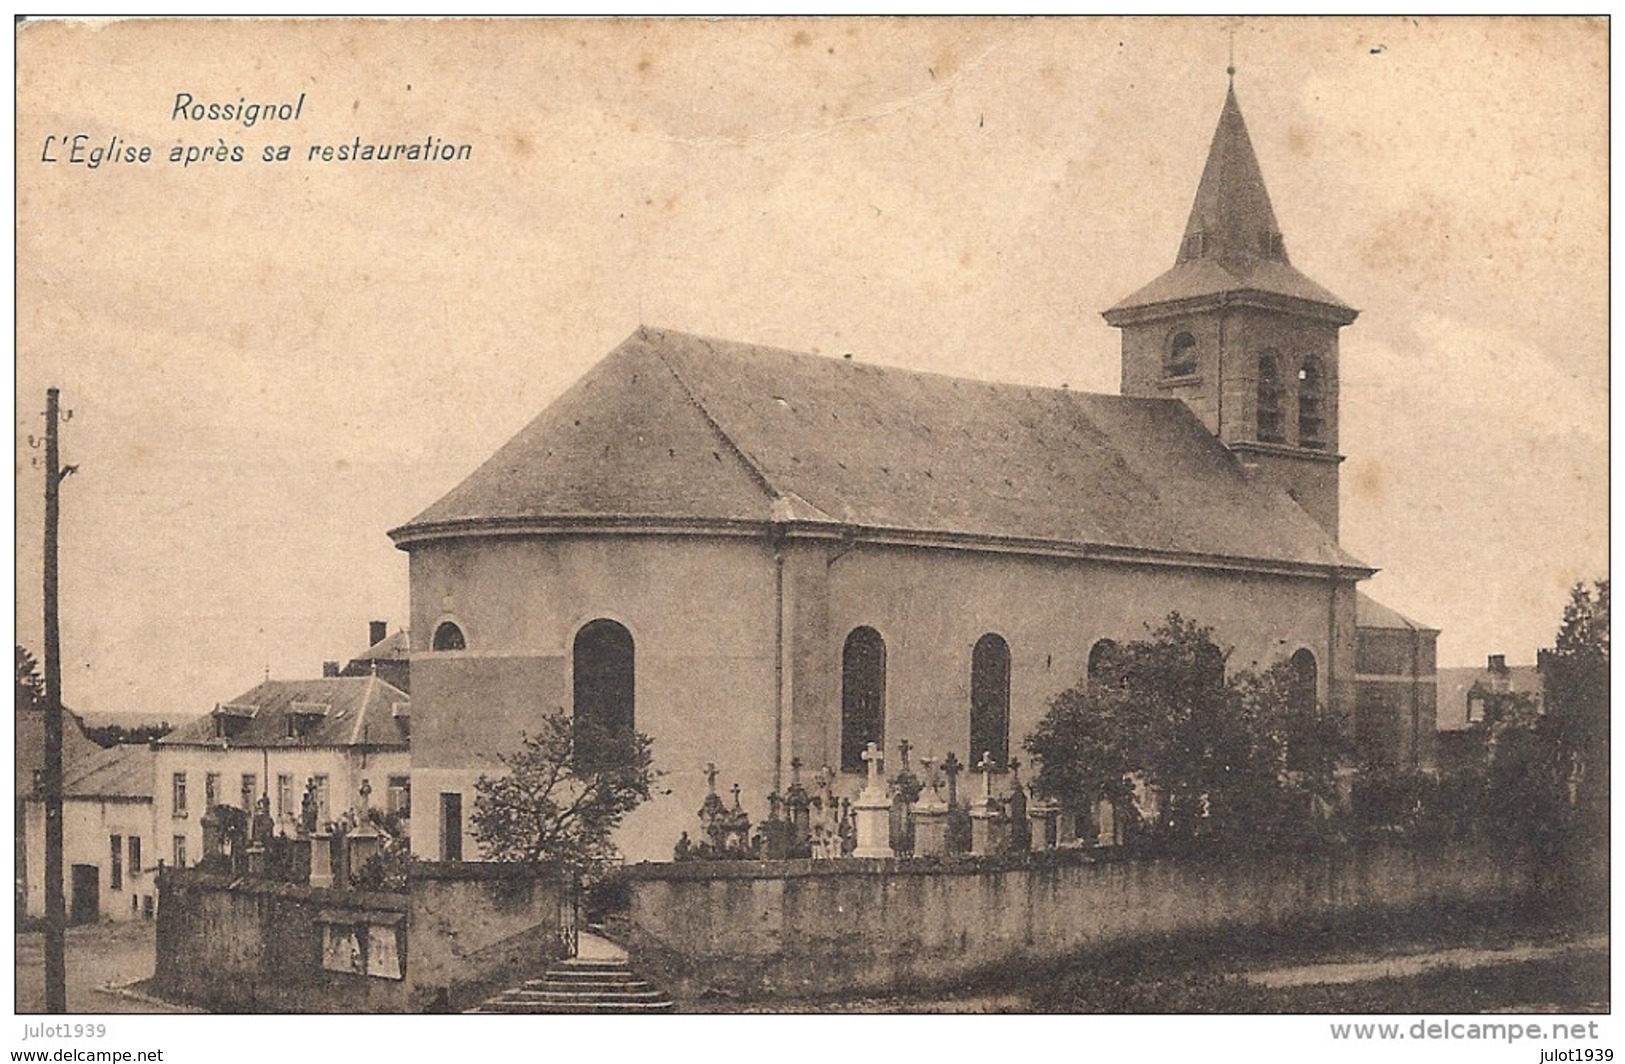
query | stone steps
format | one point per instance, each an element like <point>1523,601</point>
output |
<point>580,986</point>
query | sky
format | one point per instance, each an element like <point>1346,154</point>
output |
<point>271,364</point>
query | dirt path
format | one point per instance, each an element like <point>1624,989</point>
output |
<point>99,956</point>
<point>1403,966</point>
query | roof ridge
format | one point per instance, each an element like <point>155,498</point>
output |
<point>755,470</point>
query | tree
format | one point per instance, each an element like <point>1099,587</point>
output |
<point>1159,722</point>
<point>30,685</point>
<point>110,735</point>
<point>552,811</point>
<point>1575,674</point>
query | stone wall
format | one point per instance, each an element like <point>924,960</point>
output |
<point>810,928</point>
<point>251,945</point>
<point>458,935</point>
<point>478,928</point>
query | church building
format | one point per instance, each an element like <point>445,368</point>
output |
<point>767,560</point>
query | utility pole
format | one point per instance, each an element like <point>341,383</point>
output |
<point>56,916</point>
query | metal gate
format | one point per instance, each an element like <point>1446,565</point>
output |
<point>569,918</point>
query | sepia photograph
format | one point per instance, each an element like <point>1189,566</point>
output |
<point>1095,517</point>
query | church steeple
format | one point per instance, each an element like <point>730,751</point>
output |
<point>1232,219</point>
<point>1233,329</point>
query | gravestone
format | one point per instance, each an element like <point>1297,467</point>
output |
<point>990,828</point>
<point>905,789</point>
<point>798,812</point>
<point>1021,832</point>
<point>872,811</point>
<point>931,815</point>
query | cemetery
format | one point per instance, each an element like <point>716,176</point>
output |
<point>914,882</point>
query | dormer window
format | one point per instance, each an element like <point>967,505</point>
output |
<point>1181,359</point>
<point>231,718</point>
<point>1271,422</point>
<point>1311,404</point>
<point>305,717</point>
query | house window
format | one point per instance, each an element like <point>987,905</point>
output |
<point>178,794</point>
<point>399,797</point>
<point>135,855</point>
<point>211,790</point>
<point>180,851</point>
<point>1181,357</point>
<point>990,700</point>
<point>251,785</point>
<point>1271,422</point>
<point>451,826</point>
<point>321,799</point>
<point>1311,404</point>
<point>449,637</point>
<point>604,687</point>
<point>863,696</point>
<point>115,876</point>
<point>1305,681</point>
<point>284,795</point>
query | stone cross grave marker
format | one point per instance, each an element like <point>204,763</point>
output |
<point>874,757</point>
<point>986,765</point>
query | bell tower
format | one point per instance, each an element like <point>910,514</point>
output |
<point>1248,342</point>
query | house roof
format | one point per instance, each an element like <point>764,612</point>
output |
<point>339,711</point>
<point>390,648</point>
<point>1232,243</point>
<point>676,428</point>
<point>28,734</point>
<point>1369,613</point>
<point>117,772</point>
<point>1455,684</point>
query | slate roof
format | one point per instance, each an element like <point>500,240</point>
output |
<point>28,735</point>
<point>676,428</point>
<point>1455,684</point>
<point>117,772</point>
<point>1369,613</point>
<point>344,711</point>
<point>390,648</point>
<point>1232,242</point>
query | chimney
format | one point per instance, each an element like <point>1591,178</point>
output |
<point>330,668</point>
<point>1498,663</point>
<point>377,632</point>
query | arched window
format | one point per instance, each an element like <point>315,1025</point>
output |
<point>990,700</point>
<point>603,670</point>
<point>863,696</point>
<point>1181,360</point>
<point>1102,656</point>
<point>1305,681</point>
<point>1311,404</point>
<point>449,637</point>
<point>1271,425</point>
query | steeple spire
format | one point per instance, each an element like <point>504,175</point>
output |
<point>1232,220</point>
<point>1232,243</point>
